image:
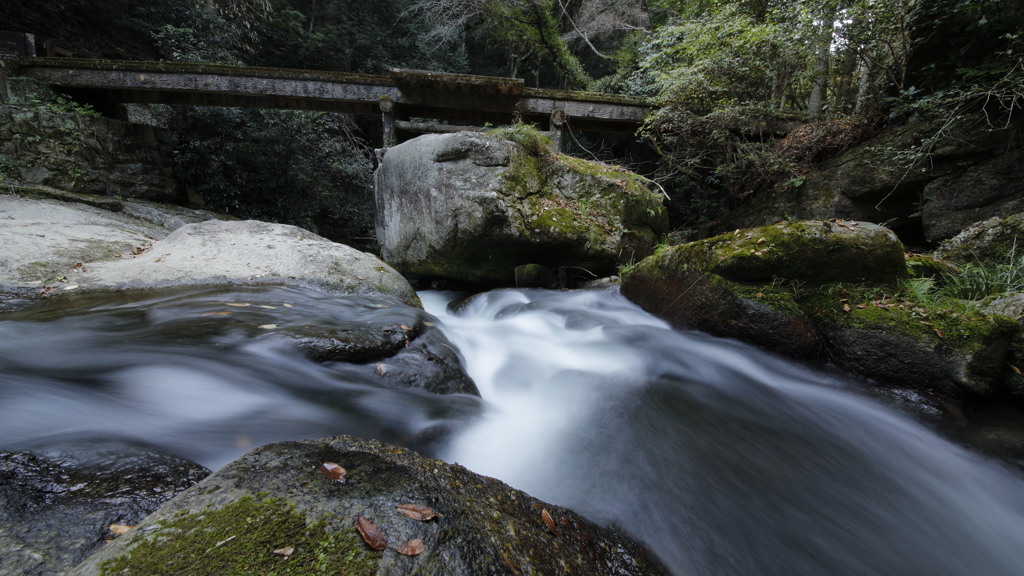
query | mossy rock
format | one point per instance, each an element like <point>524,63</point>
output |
<point>993,241</point>
<point>275,498</point>
<point>473,207</point>
<point>924,266</point>
<point>816,307</point>
<point>815,251</point>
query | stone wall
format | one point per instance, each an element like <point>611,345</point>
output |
<point>50,141</point>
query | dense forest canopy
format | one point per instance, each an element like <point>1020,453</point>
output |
<point>733,77</point>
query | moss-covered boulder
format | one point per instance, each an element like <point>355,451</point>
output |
<point>826,291</point>
<point>273,511</point>
<point>473,207</point>
<point>992,240</point>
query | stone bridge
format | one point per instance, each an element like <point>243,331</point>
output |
<point>405,98</point>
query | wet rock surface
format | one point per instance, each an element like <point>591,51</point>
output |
<point>57,501</point>
<point>482,526</point>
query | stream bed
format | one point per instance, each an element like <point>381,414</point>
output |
<point>720,457</point>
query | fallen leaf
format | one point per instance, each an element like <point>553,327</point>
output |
<point>268,307</point>
<point>404,327</point>
<point>216,313</point>
<point>862,305</point>
<point>239,304</point>
<point>417,512</point>
<point>761,241</point>
<point>287,551</point>
<point>267,326</point>
<point>64,279</point>
<point>549,522</point>
<point>72,287</point>
<point>1015,369</point>
<point>381,370</point>
<point>78,265</point>
<point>333,472</point>
<point>360,277</point>
<point>46,291</point>
<point>411,548</point>
<point>759,295</point>
<point>287,305</point>
<point>846,307</point>
<point>925,323</point>
<point>157,260</point>
<point>371,534</point>
<point>119,529</point>
<point>428,324</point>
<point>939,333</point>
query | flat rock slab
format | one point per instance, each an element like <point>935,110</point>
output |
<point>42,240</point>
<point>216,252</point>
<point>49,248</point>
<point>482,526</point>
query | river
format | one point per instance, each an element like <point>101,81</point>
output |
<point>720,457</point>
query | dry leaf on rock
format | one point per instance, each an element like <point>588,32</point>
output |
<point>119,529</point>
<point>417,512</point>
<point>333,472</point>
<point>549,522</point>
<point>372,535</point>
<point>287,551</point>
<point>411,548</point>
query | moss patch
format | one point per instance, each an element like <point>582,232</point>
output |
<point>240,539</point>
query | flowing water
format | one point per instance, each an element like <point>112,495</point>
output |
<point>721,458</point>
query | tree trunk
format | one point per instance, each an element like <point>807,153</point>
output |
<point>820,80</point>
<point>864,74</point>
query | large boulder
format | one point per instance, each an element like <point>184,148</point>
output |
<point>217,252</point>
<point>825,291</point>
<point>57,502</point>
<point>50,247</point>
<point>473,207</point>
<point>993,240</point>
<point>272,510</point>
<point>955,201</point>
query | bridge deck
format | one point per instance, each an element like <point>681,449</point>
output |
<point>415,94</point>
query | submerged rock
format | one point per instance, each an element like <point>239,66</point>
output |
<point>474,207</point>
<point>57,502</point>
<point>808,293</point>
<point>274,510</point>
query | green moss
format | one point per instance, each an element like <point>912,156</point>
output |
<point>240,539</point>
<point>921,266</point>
<point>535,142</point>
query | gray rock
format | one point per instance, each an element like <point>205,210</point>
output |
<point>958,200</point>
<point>993,240</point>
<point>483,527</point>
<point>400,347</point>
<point>57,502</point>
<point>216,252</point>
<point>473,207</point>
